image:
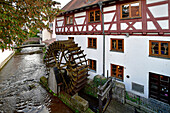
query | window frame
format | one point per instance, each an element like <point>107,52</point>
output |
<point>112,49</point>
<point>92,64</point>
<point>92,43</point>
<point>130,16</point>
<point>155,81</point>
<point>69,16</point>
<point>159,49</point>
<point>118,78</point>
<point>94,16</point>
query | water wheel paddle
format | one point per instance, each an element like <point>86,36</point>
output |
<point>66,55</point>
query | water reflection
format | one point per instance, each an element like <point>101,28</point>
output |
<point>20,90</point>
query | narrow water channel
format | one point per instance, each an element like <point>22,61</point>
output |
<point>20,90</point>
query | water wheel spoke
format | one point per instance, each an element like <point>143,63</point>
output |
<point>61,58</point>
<point>66,55</point>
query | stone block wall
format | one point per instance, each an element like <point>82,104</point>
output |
<point>119,92</point>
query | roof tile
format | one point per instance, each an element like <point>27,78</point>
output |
<point>75,4</point>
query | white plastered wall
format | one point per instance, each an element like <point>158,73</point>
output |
<point>46,35</point>
<point>158,11</point>
<point>135,59</point>
<point>154,1</point>
<point>4,55</point>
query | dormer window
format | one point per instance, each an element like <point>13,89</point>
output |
<point>131,10</point>
<point>69,19</point>
<point>94,16</point>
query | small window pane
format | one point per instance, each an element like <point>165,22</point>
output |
<point>94,42</point>
<point>125,11</point>
<point>71,19</point>
<point>97,15</point>
<point>113,44</point>
<point>120,44</point>
<point>51,25</point>
<point>164,78</point>
<point>113,68</point>
<point>120,69</point>
<point>94,64</point>
<point>67,20</point>
<point>164,48</point>
<point>155,48</point>
<point>135,10</point>
<point>91,16</point>
<point>90,61</point>
<point>120,76</point>
<point>90,41</point>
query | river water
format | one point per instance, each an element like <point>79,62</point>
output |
<point>20,90</point>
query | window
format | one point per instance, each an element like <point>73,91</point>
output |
<point>94,16</point>
<point>159,87</point>
<point>117,45</point>
<point>69,19</point>
<point>51,25</point>
<point>92,42</point>
<point>117,71</point>
<point>131,10</point>
<point>70,38</point>
<point>92,64</point>
<point>159,48</point>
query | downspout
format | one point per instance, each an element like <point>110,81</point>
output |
<point>100,5</point>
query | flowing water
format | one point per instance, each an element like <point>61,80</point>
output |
<point>20,90</point>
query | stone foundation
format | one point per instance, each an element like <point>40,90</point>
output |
<point>119,92</point>
<point>79,103</point>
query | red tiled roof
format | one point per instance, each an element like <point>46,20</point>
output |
<point>75,4</point>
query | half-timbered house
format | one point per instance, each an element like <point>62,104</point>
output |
<point>125,39</point>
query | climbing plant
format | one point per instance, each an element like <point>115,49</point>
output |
<point>17,16</point>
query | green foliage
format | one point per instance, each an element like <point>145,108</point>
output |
<point>91,89</point>
<point>17,16</point>
<point>18,50</point>
<point>33,32</point>
<point>99,80</point>
<point>44,49</point>
<point>44,81</point>
<point>133,99</point>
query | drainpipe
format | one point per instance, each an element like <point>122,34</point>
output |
<point>100,5</point>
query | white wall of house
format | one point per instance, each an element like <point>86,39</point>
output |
<point>46,35</point>
<point>135,59</point>
<point>54,34</point>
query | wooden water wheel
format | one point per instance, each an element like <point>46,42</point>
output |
<point>66,55</point>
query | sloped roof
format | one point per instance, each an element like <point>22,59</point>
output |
<point>76,4</point>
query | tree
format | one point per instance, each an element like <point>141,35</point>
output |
<point>18,15</point>
<point>33,33</point>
